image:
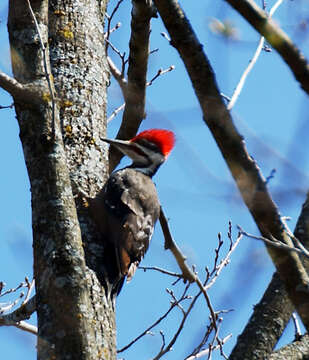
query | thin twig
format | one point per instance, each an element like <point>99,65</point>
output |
<point>159,73</point>
<point>276,37</point>
<point>166,37</point>
<point>23,325</point>
<point>118,75</point>
<point>115,112</point>
<point>206,351</point>
<point>294,238</point>
<point>163,271</point>
<point>116,27</point>
<point>109,20</point>
<point>252,62</point>
<point>6,308</point>
<point>147,331</point>
<point>180,327</point>
<point>30,287</point>
<point>7,107</point>
<point>122,57</point>
<point>153,51</point>
<point>224,262</point>
<point>13,289</point>
<point>163,340</point>
<point>298,333</point>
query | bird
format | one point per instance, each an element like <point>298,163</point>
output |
<point>127,208</point>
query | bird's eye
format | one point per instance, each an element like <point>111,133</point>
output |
<point>149,145</point>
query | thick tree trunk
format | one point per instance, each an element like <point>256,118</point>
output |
<point>64,155</point>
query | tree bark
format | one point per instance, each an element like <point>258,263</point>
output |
<point>297,350</point>
<point>64,155</point>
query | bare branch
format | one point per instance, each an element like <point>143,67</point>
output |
<point>16,317</point>
<point>277,38</point>
<point>134,112</point>
<point>275,243</point>
<point>269,318</point>
<point>30,287</point>
<point>12,86</point>
<point>123,60</point>
<point>245,74</point>
<point>118,76</point>
<point>252,62</point>
<point>31,93</point>
<point>115,112</point>
<point>223,263</point>
<point>297,243</point>
<point>109,20</point>
<point>170,244</point>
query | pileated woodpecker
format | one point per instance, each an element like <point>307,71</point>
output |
<point>127,207</point>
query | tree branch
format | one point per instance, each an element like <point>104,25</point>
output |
<point>277,38</point>
<point>244,169</point>
<point>298,350</point>
<point>22,313</point>
<point>275,243</point>
<point>188,274</point>
<point>302,228</point>
<point>32,93</point>
<point>269,319</point>
<point>134,112</point>
<point>274,310</point>
<point>12,86</point>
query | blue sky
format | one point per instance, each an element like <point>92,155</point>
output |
<point>195,186</point>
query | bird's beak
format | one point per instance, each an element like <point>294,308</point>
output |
<point>125,146</point>
<point>117,142</point>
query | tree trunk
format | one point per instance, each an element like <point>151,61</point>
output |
<point>64,155</point>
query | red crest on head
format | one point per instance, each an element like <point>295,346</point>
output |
<point>164,139</point>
